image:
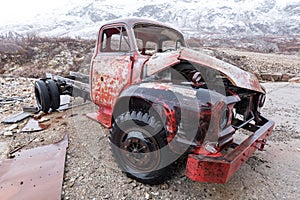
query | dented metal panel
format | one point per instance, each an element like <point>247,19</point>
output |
<point>34,173</point>
<point>160,61</point>
<point>236,75</point>
<point>220,167</point>
<point>110,74</point>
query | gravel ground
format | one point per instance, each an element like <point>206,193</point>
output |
<point>91,171</point>
<point>261,177</point>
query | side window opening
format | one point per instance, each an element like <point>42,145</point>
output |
<point>151,38</point>
<point>168,45</point>
<point>115,40</point>
<point>150,48</point>
<point>139,43</point>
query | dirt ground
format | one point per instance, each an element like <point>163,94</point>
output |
<point>271,174</point>
<point>91,171</point>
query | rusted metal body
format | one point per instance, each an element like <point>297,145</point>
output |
<point>237,76</point>
<point>34,173</point>
<point>112,72</point>
<point>142,70</point>
<point>219,168</point>
<point>119,77</point>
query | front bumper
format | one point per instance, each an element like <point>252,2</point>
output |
<point>219,168</point>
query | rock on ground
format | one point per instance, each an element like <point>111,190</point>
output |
<point>91,171</point>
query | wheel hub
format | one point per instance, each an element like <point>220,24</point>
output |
<point>139,151</point>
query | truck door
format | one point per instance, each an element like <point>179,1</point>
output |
<point>111,66</point>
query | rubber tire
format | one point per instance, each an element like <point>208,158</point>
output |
<point>128,122</point>
<point>54,94</point>
<point>42,96</point>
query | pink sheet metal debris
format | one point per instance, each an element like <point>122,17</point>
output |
<point>34,173</point>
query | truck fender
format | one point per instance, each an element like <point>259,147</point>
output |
<point>164,110</point>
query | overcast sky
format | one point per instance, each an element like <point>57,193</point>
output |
<point>16,10</point>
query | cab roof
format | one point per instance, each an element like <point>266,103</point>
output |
<point>131,21</point>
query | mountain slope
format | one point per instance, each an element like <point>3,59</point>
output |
<point>196,18</point>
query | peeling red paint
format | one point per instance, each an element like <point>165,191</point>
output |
<point>220,167</point>
<point>123,81</point>
<point>171,122</point>
<point>110,76</point>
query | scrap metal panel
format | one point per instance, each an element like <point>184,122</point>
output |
<point>34,173</point>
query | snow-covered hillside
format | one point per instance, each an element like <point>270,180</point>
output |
<point>196,18</point>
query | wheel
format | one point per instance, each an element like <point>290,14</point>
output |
<point>139,145</point>
<point>54,94</point>
<point>42,96</point>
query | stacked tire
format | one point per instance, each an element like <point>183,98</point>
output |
<point>47,95</point>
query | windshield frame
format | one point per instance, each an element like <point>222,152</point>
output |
<point>149,38</point>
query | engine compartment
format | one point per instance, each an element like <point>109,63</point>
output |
<point>240,113</point>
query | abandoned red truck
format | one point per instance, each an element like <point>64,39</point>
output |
<point>161,101</point>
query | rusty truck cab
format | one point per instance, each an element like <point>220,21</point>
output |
<point>122,48</point>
